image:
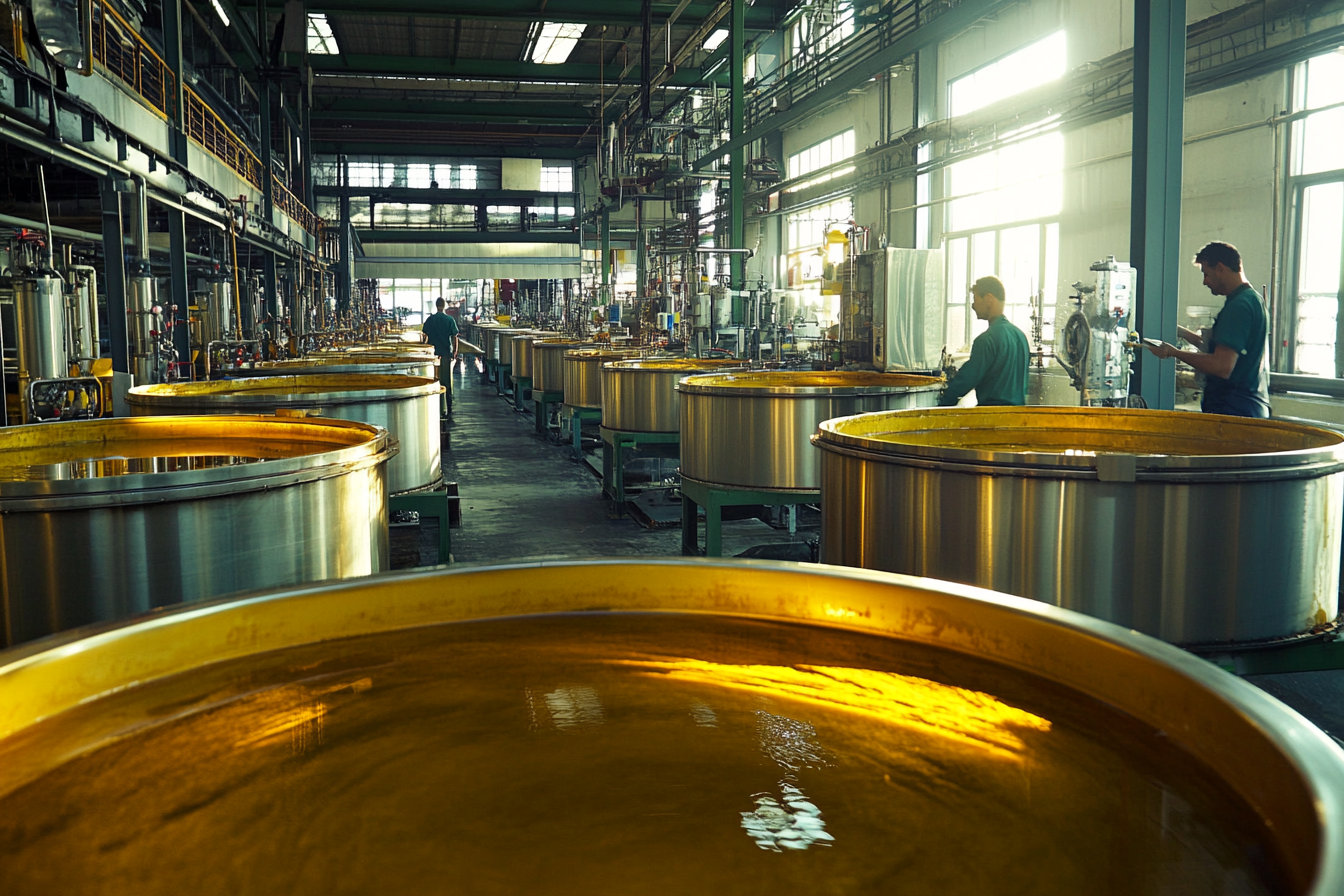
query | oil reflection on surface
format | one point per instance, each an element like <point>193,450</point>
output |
<point>969,717</point>
<point>790,822</point>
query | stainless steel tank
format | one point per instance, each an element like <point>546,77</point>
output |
<point>356,363</point>
<point>548,363</point>
<point>641,396</point>
<point>1195,528</point>
<point>105,518</point>
<point>494,342</point>
<point>790,729</point>
<point>520,351</point>
<point>753,430</point>
<point>42,341</point>
<point>407,407</point>
<point>219,313</point>
<point>141,300</point>
<point>583,374</point>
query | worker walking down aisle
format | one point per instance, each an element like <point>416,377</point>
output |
<point>441,331</point>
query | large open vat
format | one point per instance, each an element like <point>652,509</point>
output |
<point>583,374</point>
<point>1195,528</point>
<point>548,363</point>
<point>521,351</point>
<point>652,727</point>
<point>106,518</point>
<point>407,407</point>
<point>355,363</point>
<point>753,430</point>
<point>641,396</point>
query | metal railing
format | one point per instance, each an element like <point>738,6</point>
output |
<point>210,131</point>
<point>125,54</point>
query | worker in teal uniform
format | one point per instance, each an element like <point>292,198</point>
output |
<point>1235,356</point>
<point>997,368</point>
<point>441,330</point>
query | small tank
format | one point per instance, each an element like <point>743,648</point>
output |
<point>583,374</point>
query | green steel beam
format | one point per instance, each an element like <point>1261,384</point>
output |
<point>410,111</point>
<point>737,162</point>
<point>368,145</point>
<point>480,69</point>
<point>763,17</point>
<point>414,236</point>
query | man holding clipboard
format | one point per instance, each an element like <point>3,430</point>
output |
<point>1235,357</point>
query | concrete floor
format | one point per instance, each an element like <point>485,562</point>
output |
<point>526,498</point>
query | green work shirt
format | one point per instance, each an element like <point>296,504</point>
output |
<point>440,330</point>
<point>1243,325</point>
<point>997,369</point>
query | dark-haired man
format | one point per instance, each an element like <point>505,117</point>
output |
<point>997,368</point>
<point>441,330</point>
<point>1235,357</point>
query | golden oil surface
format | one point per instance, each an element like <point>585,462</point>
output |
<point>616,754</point>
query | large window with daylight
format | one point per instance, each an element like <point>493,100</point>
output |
<point>822,155</point>
<point>1033,65</point>
<point>321,40</point>
<point>821,27</point>
<point>1316,186</point>
<point>1025,258</point>
<point>805,232</point>
<point>557,179</point>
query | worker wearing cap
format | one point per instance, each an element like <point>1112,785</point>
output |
<point>441,331</point>
<point>1235,356</point>
<point>997,369</point>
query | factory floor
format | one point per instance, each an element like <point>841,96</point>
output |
<point>525,498</point>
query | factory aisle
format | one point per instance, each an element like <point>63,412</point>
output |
<point>524,499</point>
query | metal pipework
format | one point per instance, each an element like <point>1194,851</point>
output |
<point>1194,528</point>
<point>85,337</point>
<point>106,518</point>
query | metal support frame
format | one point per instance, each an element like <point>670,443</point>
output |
<point>179,289</point>
<point>114,274</point>
<point>172,45</point>
<point>491,372</point>
<point>431,505</point>
<point>698,494</point>
<point>737,164</point>
<point>347,265</point>
<point>606,247</point>
<point>269,283</point>
<point>522,390</point>
<point>542,402</point>
<point>614,443</point>
<point>501,376</point>
<point>577,417</point>
<point>1155,204</point>
<point>1319,655</point>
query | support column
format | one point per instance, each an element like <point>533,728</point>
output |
<point>641,253</point>
<point>114,274</point>
<point>172,45</point>
<point>346,267</point>
<point>737,166</point>
<point>179,290</point>
<point>1155,204</point>
<point>606,247</point>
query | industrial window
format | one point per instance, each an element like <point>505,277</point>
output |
<point>1317,191</point>
<point>822,155</point>
<point>418,176</point>
<point>320,37</point>
<point>1017,182</point>
<point>555,41</point>
<point>821,28</point>
<point>1033,65</point>
<point>805,232</point>
<point>1025,258</point>
<point>557,179</point>
<point>466,177</point>
<point>372,174</point>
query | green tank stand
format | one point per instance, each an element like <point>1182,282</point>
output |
<point>491,374</point>
<point>1308,654</point>
<point>432,505</point>
<point>541,406</point>
<point>713,499</point>
<point>502,382</point>
<point>614,443</point>
<point>577,417</point>
<point>522,388</point>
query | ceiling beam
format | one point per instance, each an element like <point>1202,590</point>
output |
<point>370,145</point>
<point>479,70</point>
<point>412,111</point>
<point>586,12</point>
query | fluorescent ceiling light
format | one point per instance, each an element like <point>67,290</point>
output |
<point>713,41</point>
<point>219,8</point>
<point>555,42</point>
<point>320,37</point>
